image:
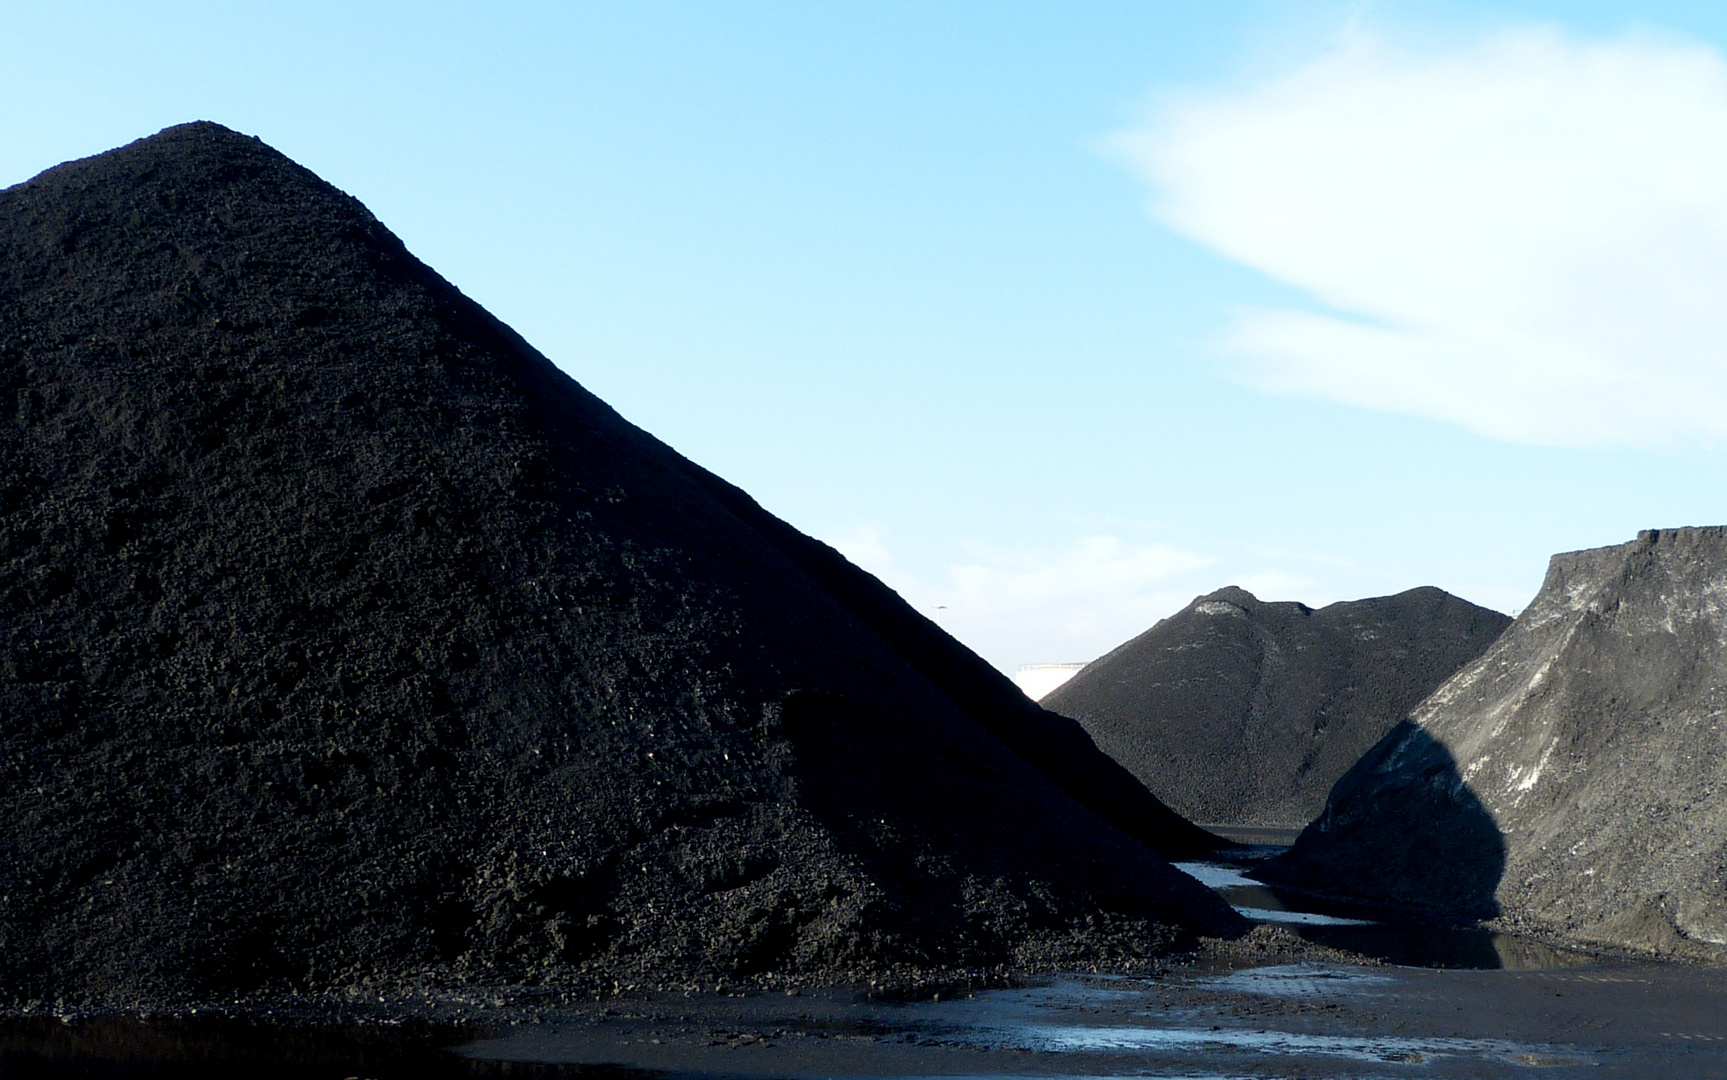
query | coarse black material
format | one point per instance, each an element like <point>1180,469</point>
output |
<point>1423,817</point>
<point>348,645</point>
<point>1573,780</point>
<point>1239,711</point>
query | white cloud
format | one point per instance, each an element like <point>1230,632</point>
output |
<point>1090,595</point>
<point>1072,602</point>
<point>1526,236</point>
<point>1283,585</point>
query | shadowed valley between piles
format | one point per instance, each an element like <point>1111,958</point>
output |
<point>349,645</point>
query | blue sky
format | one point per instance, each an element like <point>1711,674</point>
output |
<point>1057,314</point>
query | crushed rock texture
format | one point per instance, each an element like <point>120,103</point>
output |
<point>1239,711</point>
<point>1573,780</point>
<point>350,646</point>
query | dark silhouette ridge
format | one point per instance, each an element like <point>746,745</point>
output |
<point>1055,745</point>
<point>1403,831</point>
<point>1239,711</point>
<point>347,643</point>
<point>1591,735</point>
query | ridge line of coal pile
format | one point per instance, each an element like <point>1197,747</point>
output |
<point>1055,745</point>
<point>351,649</point>
<point>1242,711</point>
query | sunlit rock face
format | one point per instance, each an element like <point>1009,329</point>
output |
<point>347,645</point>
<point>1235,710</point>
<point>1590,741</point>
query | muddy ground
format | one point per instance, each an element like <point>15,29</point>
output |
<point>1233,1012</point>
<point>1281,1002</point>
<point>1216,1019</point>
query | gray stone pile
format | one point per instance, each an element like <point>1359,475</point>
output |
<point>1573,779</point>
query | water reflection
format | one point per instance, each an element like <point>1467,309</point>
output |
<point>1305,980</point>
<point>1373,932</point>
<point>1076,1018</point>
<point>1352,1047</point>
<point>1414,945</point>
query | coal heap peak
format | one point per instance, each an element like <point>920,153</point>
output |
<point>1237,710</point>
<point>348,643</point>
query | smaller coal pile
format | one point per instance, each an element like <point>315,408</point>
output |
<point>348,647</point>
<point>1238,711</point>
<point>1571,781</point>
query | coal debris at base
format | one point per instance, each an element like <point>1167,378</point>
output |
<point>1235,710</point>
<point>1570,782</point>
<point>350,648</point>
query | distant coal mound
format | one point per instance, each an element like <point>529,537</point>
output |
<point>349,644</point>
<point>1573,779</point>
<point>1235,710</point>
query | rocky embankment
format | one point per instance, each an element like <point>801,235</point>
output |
<point>1573,780</point>
<point>350,646</point>
<point>1241,711</point>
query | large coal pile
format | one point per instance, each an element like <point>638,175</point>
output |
<point>1240,711</point>
<point>1573,780</point>
<point>348,644</point>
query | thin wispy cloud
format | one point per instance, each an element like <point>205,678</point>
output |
<point>1526,235</point>
<point>1071,601</point>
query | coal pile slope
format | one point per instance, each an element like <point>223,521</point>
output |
<point>349,646</point>
<point>1572,780</point>
<point>1236,710</point>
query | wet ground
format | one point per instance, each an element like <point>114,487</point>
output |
<point>1214,1021</point>
<point>1296,1020</point>
<point>1424,1001</point>
<point>1453,1002</point>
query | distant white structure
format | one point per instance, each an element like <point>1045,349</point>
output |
<point>1036,680</point>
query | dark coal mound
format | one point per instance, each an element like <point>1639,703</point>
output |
<point>1235,710</point>
<point>348,644</point>
<point>1573,780</point>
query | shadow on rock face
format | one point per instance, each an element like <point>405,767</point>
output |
<point>1402,830</point>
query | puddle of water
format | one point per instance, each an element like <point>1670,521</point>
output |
<point>1297,980</point>
<point>1276,905</point>
<point>1060,1039</point>
<point>1275,837</point>
<point>1217,875</point>
<point>1363,930</point>
<point>1302,918</point>
<point>1064,1018</point>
